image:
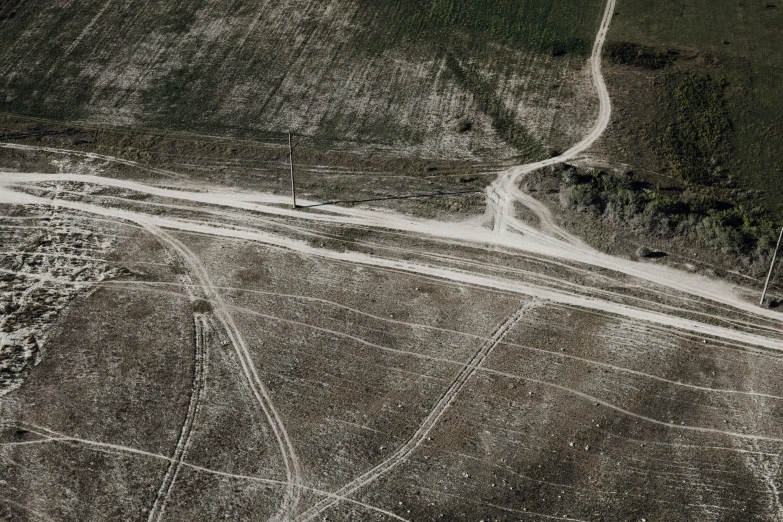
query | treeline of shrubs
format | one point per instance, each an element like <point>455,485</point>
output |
<point>745,233</point>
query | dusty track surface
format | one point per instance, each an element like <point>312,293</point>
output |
<point>448,397</point>
<point>552,272</point>
<point>180,451</point>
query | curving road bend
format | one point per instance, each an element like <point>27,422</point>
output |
<point>504,191</point>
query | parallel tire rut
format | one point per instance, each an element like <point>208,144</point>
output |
<point>220,310</point>
<point>441,406</point>
<point>196,393</point>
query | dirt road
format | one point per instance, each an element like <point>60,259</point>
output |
<point>504,191</point>
<point>737,321</point>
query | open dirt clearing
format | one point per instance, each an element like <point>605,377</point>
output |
<point>247,361</point>
<point>625,418</point>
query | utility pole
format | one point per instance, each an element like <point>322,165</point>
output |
<point>771,266</point>
<point>291,156</point>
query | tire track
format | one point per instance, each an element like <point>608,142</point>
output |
<point>555,281</point>
<point>51,436</point>
<point>149,287</point>
<point>196,394</point>
<point>219,308</point>
<point>504,191</point>
<point>721,293</point>
<point>92,155</point>
<point>697,286</point>
<point>441,406</point>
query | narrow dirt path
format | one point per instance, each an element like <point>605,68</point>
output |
<point>219,308</point>
<point>138,285</point>
<point>196,393</point>
<point>504,191</point>
<point>436,413</point>
<point>49,436</point>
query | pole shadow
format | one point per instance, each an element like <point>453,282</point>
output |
<point>387,198</point>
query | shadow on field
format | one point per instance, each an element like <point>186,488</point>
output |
<point>386,198</point>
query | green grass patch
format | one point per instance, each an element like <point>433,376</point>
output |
<point>538,25</point>
<point>739,41</point>
<point>351,74</point>
<point>697,138</point>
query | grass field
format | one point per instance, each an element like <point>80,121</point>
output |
<point>355,74</point>
<point>734,43</point>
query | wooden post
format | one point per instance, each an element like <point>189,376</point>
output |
<point>771,266</point>
<point>291,156</point>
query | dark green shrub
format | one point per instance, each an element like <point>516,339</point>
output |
<point>746,233</point>
<point>626,53</point>
<point>201,306</point>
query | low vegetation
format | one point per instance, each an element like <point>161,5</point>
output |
<point>696,140</point>
<point>635,55</point>
<point>201,306</point>
<point>539,25</point>
<point>692,214</point>
<point>726,67</point>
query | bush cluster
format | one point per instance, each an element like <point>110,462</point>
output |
<point>626,53</point>
<point>747,234</point>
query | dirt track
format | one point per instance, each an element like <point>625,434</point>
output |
<point>732,320</point>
